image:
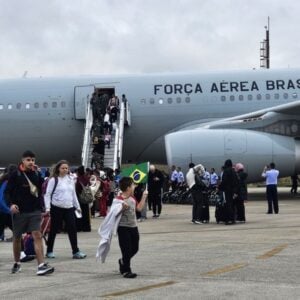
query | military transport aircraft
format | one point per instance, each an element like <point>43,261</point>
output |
<point>248,116</point>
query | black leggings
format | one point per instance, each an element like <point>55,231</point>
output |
<point>58,215</point>
<point>129,244</point>
<point>5,221</point>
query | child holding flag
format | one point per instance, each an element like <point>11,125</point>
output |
<point>128,233</point>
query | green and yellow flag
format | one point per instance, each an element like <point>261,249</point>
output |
<point>139,173</point>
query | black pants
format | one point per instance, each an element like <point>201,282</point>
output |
<point>197,204</point>
<point>5,221</point>
<point>155,199</point>
<point>272,198</point>
<point>129,244</point>
<point>229,207</point>
<point>84,223</point>
<point>239,209</point>
<point>58,215</point>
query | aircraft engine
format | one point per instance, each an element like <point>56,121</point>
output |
<point>211,147</point>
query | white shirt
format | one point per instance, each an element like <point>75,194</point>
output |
<point>214,179</point>
<point>106,118</point>
<point>271,176</point>
<point>180,177</point>
<point>190,178</point>
<point>64,195</point>
<point>174,176</point>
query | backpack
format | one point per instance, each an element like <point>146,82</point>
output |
<point>86,195</point>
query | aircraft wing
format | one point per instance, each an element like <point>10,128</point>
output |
<point>282,119</point>
<point>256,138</point>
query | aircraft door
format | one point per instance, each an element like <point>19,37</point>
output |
<point>82,96</point>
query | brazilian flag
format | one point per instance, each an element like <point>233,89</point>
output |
<point>139,173</point>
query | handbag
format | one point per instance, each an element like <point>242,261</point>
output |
<point>33,189</point>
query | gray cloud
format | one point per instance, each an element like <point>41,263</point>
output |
<point>51,38</point>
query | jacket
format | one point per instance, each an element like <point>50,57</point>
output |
<point>108,228</point>
<point>155,185</point>
<point>3,206</point>
<point>18,191</point>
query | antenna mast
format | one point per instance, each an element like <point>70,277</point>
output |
<point>265,49</point>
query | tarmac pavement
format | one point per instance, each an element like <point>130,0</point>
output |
<point>176,260</point>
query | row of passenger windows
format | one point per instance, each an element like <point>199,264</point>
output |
<point>169,100</point>
<point>259,97</point>
<point>34,105</point>
<point>224,98</point>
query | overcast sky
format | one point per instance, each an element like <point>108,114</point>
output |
<point>70,37</point>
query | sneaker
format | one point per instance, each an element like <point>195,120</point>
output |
<point>197,222</point>
<point>121,266</point>
<point>16,268</point>
<point>157,216</point>
<point>129,275</point>
<point>50,255</point>
<point>27,258</point>
<point>154,216</point>
<point>44,269</point>
<point>79,255</point>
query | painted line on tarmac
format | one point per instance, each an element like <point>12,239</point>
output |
<point>141,289</point>
<point>225,269</point>
<point>273,252</point>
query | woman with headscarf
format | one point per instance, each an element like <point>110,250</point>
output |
<point>229,185</point>
<point>242,193</point>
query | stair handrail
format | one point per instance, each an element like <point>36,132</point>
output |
<point>119,139</point>
<point>87,135</point>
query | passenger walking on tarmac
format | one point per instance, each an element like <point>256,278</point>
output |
<point>23,196</point>
<point>5,214</point>
<point>61,202</point>
<point>127,230</point>
<point>174,178</point>
<point>294,179</point>
<point>242,193</point>
<point>83,180</point>
<point>104,199</point>
<point>271,175</point>
<point>229,185</point>
<point>193,180</point>
<point>155,184</point>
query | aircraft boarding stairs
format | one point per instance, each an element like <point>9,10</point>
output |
<point>113,155</point>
